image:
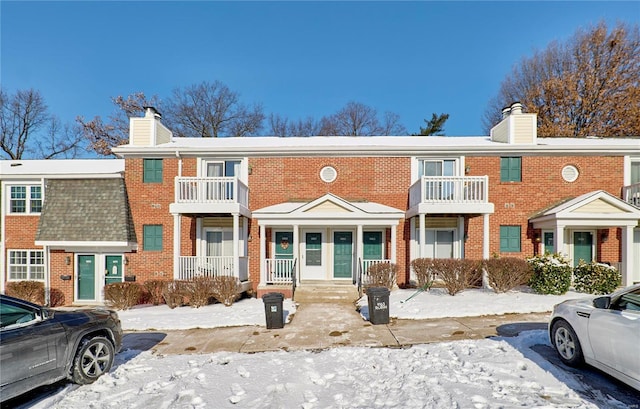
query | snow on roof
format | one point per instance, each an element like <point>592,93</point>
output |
<point>62,167</point>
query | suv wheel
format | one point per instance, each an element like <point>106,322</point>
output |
<point>93,358</point>
<point>565,341</point>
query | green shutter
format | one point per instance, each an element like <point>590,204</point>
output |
<point>511,169</point>
<point>152,238</point>
<point>510,239</point>
<point>152,171</point>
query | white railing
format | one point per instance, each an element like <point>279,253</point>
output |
<point>365,279</point>
<point>211,266</point>
<point>278,271</point>
<point>211,190</point>
<point>631,194</point>
<point>449,189</point>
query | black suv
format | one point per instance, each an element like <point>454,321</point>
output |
<point>40,346</point>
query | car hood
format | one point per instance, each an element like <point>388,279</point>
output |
<point>586,302</point>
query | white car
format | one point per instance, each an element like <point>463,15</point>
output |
<point>602,331</point>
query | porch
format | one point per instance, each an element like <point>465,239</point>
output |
<point>190,267</point>
<point>631,194</point>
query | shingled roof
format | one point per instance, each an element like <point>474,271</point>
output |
<point>86,210</point>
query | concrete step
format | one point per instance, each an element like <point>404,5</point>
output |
<point>314,293</point>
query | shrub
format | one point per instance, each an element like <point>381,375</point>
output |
<point>56,297</point>
<point>425,272</point>
<point>551,274</point>
<point>32,291</point>
<point>457,274</point>
<point>226,289</point>
<point>505,274</point>
<point>154,291</point>
<point>122,296</point>
<point>199,291</point>
<point>595,278</point>
<point>382,275</point>
<point>174,293</point>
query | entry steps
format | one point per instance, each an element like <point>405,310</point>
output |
<point>326,293</point>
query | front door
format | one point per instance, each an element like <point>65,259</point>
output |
<point>113,269</point>
<point>312,256</point>
<point>582,247</point>
<point>283,251</point>
<point>342,254</point>
<point>86,277</point>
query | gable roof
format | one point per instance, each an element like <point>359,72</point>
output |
<point>85,212</point>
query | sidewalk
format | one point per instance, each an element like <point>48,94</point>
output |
<point>321,326</point>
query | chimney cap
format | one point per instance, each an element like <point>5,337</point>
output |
<point>151,111</point>
<point>516,108</point>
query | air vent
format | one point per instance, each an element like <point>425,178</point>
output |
<point>570,173</point>
<point>328,174</point>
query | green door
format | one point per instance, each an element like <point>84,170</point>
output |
<point>283,251</point>
<point>86,277</point>
<point>342,254</point>
<point>113,272</point>
<point>548,242</point>
<point>372,245</point>
<point>582,247</point>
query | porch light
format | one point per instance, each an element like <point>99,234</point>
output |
<point>604,236</point>
<point>67,260</point>
<point>126,260</point>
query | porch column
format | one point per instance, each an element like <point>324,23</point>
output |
<point>176,246</point>
<point>558,239</point>
<point>394,233</point>
<point>627,257</point>
<point>360,244</point>
<point>236,244</point>
<point>423,236</point>
<point>485,236</point>
<point>296,251</point>
<point>263,252</point>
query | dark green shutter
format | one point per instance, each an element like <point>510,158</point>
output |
<point>152,172</point>
<point>510,239</point>
<point>511,169</point>
<point>152,238</point>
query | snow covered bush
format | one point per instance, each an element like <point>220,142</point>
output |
<point>551,274</point>
<point>122,296</point>
<point>174,293</point>
<point>199,291</point>
<point>382,275</point>
<point>458,274</point>
<point>425,272</point>
<point>226,289</point>
<point>595,278</point>
<point>507,273</point>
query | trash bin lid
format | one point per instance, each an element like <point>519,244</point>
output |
<point>273,297</point>
<point>378,290</point>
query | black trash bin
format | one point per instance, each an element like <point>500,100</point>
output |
<point>273,310</point>
<point>378,300</point>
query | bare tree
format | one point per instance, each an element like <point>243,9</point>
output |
<point>28,130</point>
<point>211,110</point>
<point>358,119</point>
<point>102,136</point>
<point>589,85</point>
<point>281,126</point>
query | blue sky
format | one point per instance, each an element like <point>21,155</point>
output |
<point>297,59</point>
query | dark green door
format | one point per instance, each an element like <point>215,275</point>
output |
<point>372,245</point>
<point>283,251</point>
<point>86,277</point>
<point>582,247</point>
<point>342,254</point>
<point>113,273</point>
<point>548,242</point>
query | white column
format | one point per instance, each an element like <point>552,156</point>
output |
<point>627,257</point>
<point>394,234</point>
<point>359,243</point>
<point>296,250</point>
<point>423,236</point>
<point>485,236</point>
<point>176,246</point>
<point>236,245</point>
<point>47,276</point>
<point>263,253</point>
<point>558,240</point>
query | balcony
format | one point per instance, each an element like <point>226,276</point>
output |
<point>631,194</point>
<point>450,194</point>
<point>210,195</point>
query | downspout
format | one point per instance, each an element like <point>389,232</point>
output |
<point>176,226</point>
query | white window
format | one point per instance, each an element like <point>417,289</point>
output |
<point>26,265</point>
<point>437,167</point>
<point>219,243</point>
<point>25,199</point>
<point>439,242</point>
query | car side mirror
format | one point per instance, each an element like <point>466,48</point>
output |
<point>602,302</point>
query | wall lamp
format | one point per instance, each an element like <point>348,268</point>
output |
<point>126,260</point>
<point>67,260</point>
<point>604,236</point>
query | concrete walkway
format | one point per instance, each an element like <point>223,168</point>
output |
<point>321,326</point>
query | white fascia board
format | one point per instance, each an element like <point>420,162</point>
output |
<point>327,223</point>
<point>56,244</point>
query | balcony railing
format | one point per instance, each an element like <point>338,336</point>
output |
<point>211,266</point>
<point>449,189</point>
<point>631,194</point>
<point>279,271</point>
<point>211,190</point>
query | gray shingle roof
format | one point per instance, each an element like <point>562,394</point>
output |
<point>86,210</point>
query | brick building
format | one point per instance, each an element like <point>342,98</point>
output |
<point>315,210</point>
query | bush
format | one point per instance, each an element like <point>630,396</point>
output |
<point>174,293</point>
<point>595,278</point>
<point>122,296</point>
<point>226,289</point>
<point>457,274</point>
<point>32,291</point>
<point>154,291</point>
<point>425,272</point>
<point>551,274</point>
<point>56,297</point>
<point>505,274</point>
<point>382,275</point>
<point>200,290</point>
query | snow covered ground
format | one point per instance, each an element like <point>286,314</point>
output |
<point>487,373</point>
